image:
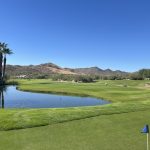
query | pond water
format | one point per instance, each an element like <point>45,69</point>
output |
<point>10,97</point>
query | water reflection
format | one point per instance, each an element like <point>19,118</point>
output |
<point>2,102</point>
<point>10,97</point>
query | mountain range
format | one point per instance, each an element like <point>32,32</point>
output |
<point>50,68</point>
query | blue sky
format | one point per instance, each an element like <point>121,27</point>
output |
<point>111,34</point>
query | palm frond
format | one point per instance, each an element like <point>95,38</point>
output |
<point>7,51</point>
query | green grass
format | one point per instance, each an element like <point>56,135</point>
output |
<point>114,126</point>
<point>27,118</point>
<point>134,97</point>
<point>106,132</point>
<point>114,91</point>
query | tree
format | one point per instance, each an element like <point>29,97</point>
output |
<point>1,61</point>
<point>144,73</point>
<point>4,50</point>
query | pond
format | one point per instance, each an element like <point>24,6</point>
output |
<point>10,97</point>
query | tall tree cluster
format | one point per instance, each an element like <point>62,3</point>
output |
<point>4,50</point>
<point>144,73</point>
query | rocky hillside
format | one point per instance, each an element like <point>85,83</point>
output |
<point>98,71</point>
<point>50,68</point>
<point>42,69</point>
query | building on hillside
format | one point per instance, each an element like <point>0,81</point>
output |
<point>21,76</point>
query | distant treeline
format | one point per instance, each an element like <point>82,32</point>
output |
<point>74,78</point>
<point>140,75</point>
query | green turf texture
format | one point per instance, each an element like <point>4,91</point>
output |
<point>115,126</point>
<point>106,132</point>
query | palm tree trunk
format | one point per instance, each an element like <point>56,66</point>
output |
<point>4,69</point>
<point>0,98</point>
<point>1,67</point>
<point>3,102</point>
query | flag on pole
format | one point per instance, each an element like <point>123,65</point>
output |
<point>145,129</point>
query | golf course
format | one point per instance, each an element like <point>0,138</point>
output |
<point>114,126</point>
<point>74,75</point>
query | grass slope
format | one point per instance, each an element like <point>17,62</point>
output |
<point>127,96</point>
<point>115,126</point>
<point>114,91</point>
<point>106,132</point>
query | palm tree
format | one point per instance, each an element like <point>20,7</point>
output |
<point>1,61</point>
<point>6,51</point>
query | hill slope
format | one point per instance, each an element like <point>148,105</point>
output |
<point>98,71</point>
<point>42,69</point>
<point>50,68</point>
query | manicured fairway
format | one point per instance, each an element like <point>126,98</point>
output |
<point>115,91</point>
<point>106,132</point>
<point>115,126</point>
